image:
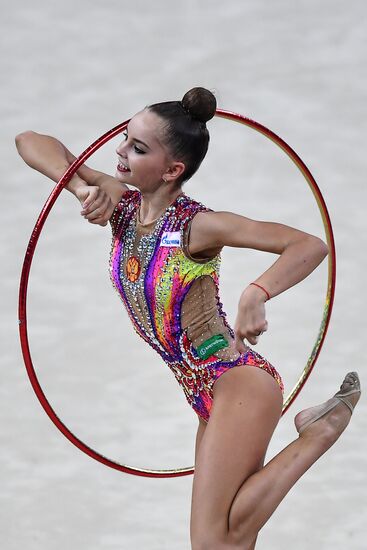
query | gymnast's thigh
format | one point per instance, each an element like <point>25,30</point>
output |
<point>199,435</point>
<point>246,408</point>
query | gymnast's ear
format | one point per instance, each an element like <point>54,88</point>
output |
<point>174,171</point>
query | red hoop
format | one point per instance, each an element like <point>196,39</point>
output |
<point>33,243</point>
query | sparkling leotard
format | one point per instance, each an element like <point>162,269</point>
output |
<point>172,298</point>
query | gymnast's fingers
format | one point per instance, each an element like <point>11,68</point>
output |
<point>98,208</point>
<point>96,199</point>
<point>99,221</point>
<point>93,192</point>
<point>104,215</point>
<point>240,346</point>
<point>253,338</point>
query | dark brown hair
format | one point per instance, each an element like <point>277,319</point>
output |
<point>184,129</point>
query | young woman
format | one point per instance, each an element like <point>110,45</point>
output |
<point>164,265</point>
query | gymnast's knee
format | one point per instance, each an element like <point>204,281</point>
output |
<point>205,536</point>
<point>244,527</point>
<point>207,543</point>
<point>208,539</point>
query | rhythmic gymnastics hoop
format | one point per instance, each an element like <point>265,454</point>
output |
<point>32,246</point>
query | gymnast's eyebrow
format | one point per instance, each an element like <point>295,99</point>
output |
<point>137,140</point>
<point>142,142</point>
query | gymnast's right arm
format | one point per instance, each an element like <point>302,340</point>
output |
<point>96,191</point>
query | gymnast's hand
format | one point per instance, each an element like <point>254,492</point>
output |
<point>251,321</point>
<point>96,203</point>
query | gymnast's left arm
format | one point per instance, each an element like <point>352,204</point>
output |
<point>299,254</point>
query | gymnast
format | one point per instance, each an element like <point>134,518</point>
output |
<point>164,265</point>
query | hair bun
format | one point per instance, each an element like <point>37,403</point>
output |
<point>200,103</point>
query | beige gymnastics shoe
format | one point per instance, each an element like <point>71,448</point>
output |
<point>350,386</point>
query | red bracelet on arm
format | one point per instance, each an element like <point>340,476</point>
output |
<point>262,288</point>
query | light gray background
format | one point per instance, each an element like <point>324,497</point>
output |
<point>76,69</point>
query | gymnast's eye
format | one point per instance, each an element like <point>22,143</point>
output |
<point>138,150</point>
<point>135,147</point>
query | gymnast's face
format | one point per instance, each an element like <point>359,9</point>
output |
<point>143,160</point>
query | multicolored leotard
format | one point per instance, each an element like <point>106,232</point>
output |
<point>172,298</point>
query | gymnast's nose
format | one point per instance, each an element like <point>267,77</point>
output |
<point>121,148</point>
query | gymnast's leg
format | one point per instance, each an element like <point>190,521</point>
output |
<point>199,436</point>
<point>232,499</point>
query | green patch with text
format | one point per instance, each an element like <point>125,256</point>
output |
<point>211,345</point>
